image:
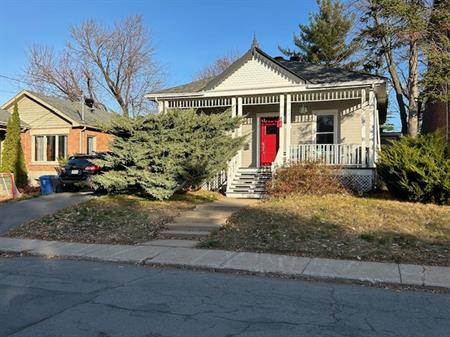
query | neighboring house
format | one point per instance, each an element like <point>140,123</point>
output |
<point>55,129</point>
<point>293,111</point>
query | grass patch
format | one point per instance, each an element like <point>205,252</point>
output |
<point>343,227</point>
<point>116,219</point>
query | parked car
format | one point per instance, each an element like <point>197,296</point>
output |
<point>78,171</point>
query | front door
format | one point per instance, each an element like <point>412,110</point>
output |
<point>269,140</point>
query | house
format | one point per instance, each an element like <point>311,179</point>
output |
<point>55,128</point>
<point>293,111</point>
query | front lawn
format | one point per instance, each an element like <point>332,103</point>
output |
<point>111,219</point>
<point>343,227</point>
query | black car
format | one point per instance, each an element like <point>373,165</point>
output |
<point>78,171</point>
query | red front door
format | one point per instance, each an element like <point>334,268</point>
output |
<point>269,140</point>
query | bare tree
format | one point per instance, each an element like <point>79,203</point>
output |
<point>399,32</point>
<point>99,61</point>
<point>218,66</point>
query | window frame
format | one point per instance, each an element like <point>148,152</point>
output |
<point>94,144</point>
<point>335,124</point>
<point>45,161</point>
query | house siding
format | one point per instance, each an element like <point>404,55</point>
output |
<point>38,116</point>
<point>255,73</point>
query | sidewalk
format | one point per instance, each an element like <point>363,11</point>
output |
<point>220,260</point>
<point>15,213</point>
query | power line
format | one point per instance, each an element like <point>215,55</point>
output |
<point>15,79</point>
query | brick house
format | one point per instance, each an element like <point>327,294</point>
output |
<point>54,128</point>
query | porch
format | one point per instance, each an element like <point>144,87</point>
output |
<point>338,127</point>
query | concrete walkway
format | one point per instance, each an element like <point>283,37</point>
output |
<point>220,260</point>
<point>204,218</point>
<point>15,213</point>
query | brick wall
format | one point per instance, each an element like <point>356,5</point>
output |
<point>73,146</point>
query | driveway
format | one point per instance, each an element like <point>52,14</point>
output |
<point>15,213</point>
<point>41,297</point>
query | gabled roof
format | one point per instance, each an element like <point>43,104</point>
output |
<point>302,72</point>
<point>66,109</point>
<point>4,116</point>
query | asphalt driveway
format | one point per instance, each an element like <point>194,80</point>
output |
<point>46,298</point>
<point>15,213</point>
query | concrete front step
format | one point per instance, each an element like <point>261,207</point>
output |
<point>239,195</point>
<point>184,233</point>
<point>193,226</point>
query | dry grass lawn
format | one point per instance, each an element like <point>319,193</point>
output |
<point>110,219</point>
<point>344,227</point>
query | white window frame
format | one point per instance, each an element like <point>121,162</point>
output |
<point>45,161</point>
<point>94,144</point>
<point>334,113</point>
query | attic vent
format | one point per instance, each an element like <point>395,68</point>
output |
<point>278,58</point>
<point>89,102</point>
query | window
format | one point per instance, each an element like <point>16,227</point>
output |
<point>325,129</point>
<point>50,148</point>
<point>90,145</point>
<point>271,130</point>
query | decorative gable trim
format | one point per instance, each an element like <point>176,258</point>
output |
<point>255,54</point>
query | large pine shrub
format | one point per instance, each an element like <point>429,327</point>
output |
<point>13,160</point>
<point>417,169</point>
<point>157,155</point>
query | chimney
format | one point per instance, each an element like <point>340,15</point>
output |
<point>89,102</point>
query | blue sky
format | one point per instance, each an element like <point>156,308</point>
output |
<point>188,34</point>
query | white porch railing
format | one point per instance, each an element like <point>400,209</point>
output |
<point>350,155</point>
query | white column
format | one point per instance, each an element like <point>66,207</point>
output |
<point>166,106</point>
<point>372,145</point>
<point>282,132</point>
<point>160,106</point>
<point>288,126</point>
<point>363,127</point>
<point>239,113</point>
<point>233,112</point>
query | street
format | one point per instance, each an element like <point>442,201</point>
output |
<point>40,297</point>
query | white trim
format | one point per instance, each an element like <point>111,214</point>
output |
<point>262,90</point>
<point>288,124</point>
<point>333,112</point>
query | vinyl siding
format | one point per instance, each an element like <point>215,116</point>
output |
<point>38,116</point>
<point>255,73</point>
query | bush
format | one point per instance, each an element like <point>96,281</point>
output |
<point>417,169</point>
<point>159,154</point>
<point>305,178</point>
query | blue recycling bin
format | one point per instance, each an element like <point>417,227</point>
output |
<point>46,183</point>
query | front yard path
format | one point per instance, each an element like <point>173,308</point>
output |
<point>15,213</point>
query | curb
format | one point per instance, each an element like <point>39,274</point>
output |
<point>372,273</point>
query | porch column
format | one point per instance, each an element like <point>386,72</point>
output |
<point>239,113</point>
<point>372,145</point>
<point>363,128</point>
<point>288,126</point>
<point>282,129</point>
<point>233,112</point>
<point>166,106</point>
<point>160,106</point>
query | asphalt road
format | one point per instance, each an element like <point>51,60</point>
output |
<point>41,297</point>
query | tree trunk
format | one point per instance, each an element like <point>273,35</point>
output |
<point>413,89</point>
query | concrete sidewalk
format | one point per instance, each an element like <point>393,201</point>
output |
<point>15,213</point>
<point>160,255</point>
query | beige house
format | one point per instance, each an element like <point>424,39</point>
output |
<point>293,111</point>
